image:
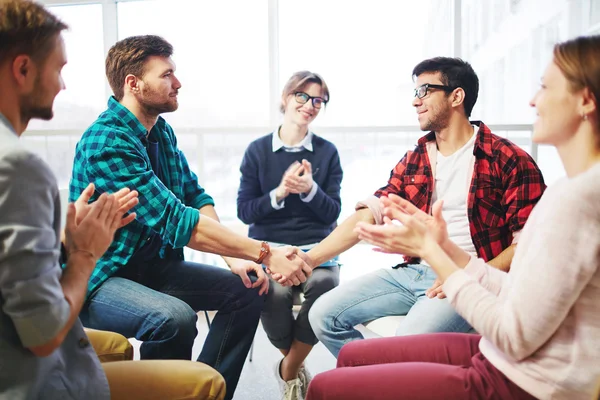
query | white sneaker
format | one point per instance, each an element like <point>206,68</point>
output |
<point>305,377</point>
<point>290,390</point>
<point>293,390</point>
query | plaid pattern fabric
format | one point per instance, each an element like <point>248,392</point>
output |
<point>112,154</point>
<point>505,187</point>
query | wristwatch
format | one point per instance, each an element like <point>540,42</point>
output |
<point>265,249</point>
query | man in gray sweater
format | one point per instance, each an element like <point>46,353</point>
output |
<point>44,351</point>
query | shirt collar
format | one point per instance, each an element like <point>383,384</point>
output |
<point>4,121</point>
<point>131,120</point>
<point>305,143</point>
<point>483,141</point>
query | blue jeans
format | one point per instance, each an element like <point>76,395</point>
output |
<point>157,304</point>
<point>383,293</point>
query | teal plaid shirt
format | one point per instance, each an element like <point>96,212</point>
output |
<point>112,154</point>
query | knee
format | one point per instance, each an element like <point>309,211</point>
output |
<point>349,353</point>
<point>211,385</point>
<point>321,285</point>
<point>243,297</point>
<point>110,346</point>
<point>178,319</point>
<point>279,299</point>
<point>317,386</point>
<point>195,380</point>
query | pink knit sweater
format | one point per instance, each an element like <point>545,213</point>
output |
<point>541,321</point>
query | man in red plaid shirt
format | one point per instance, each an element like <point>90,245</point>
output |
<point>489,186</point>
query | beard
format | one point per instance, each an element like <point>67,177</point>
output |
<point>45,113</point>
<point>34,105</point>
<point>155,103</point>
<point>438,121</point>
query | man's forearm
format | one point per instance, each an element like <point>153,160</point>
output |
<point>211,236</point>
<point>209,211</point>
<point>503,260</point>
<point>341,239</point>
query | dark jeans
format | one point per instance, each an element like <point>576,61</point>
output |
<point>157,304</point>
<point>432,366</point>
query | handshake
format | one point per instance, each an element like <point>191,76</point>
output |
<point>287,265</point>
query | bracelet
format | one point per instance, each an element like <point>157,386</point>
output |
<point>265,249</point>
<point>89,253</point>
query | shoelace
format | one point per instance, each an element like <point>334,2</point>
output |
<point>291,390</point>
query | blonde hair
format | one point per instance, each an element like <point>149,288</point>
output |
<point>299,80</point>
<point>579,61</point>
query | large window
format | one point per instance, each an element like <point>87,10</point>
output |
<point>80,104</point>
<point>221,52</point>
<point>365,51</point>
<point>234,56</point>
<point>77,106</point>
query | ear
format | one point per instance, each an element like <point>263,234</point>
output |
<point>589,103</point>
<point>457,97</point>
<point>132,84</point>
<point>24,70</point>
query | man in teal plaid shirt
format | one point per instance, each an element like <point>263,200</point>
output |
<point>142,287</point>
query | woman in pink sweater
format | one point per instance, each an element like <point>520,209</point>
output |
<point>539,323</point>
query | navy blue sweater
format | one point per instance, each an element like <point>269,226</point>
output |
<point>298,223</point>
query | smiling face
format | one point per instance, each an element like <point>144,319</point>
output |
<point>556,108</point>
<point>302,114</point>
<point>433,110</point>
<point>159,87</point>
<point>47,83</point>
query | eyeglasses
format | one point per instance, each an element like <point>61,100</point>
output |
<point>303,98</point>
<point>422,90</point>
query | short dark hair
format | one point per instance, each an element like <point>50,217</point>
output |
<point>28,28</point>
<point>455,73</point>
<point>128,56</point>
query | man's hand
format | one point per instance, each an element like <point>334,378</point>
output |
<point>125,197</point>
<point>289,262</point>
<point>282,280</point>
<point>302,182</point>
<point>435,290</point>
<point>93,235</point>
<point>241,269</point>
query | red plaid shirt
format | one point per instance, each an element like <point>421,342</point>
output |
<point>505,187</point>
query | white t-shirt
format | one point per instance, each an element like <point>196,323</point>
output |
<point>452,182</point>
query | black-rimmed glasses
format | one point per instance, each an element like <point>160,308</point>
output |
<point>303,98</point>
<point>422,90</point>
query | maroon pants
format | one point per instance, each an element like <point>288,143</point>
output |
<point>445,366</point>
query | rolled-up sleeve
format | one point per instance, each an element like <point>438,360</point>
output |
<point>32,296</point>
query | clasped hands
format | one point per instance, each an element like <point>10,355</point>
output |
<point>407,230</point>
<point>287,265</point>
<point>297,179</point>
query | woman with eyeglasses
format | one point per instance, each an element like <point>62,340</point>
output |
<point>290,194</point>
<point>539,324</point>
